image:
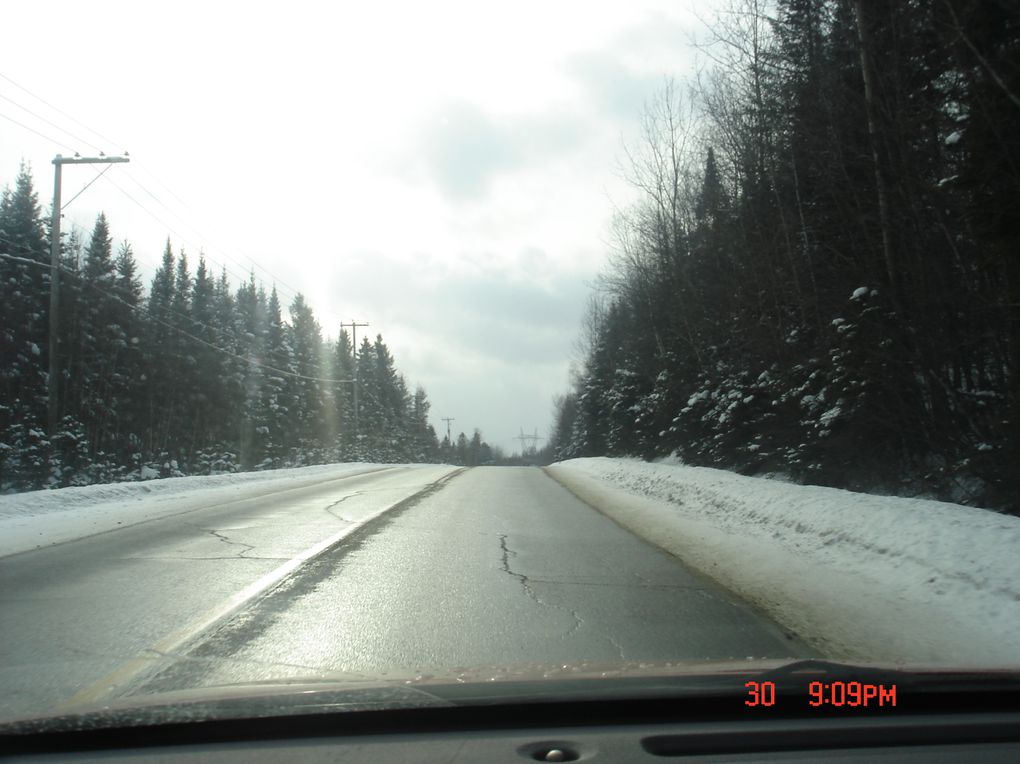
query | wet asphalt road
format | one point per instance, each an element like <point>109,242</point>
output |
<point>502,567</point>
<point>73,614</point>
<point>493,567</point>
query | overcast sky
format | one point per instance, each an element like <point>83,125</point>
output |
<point>446,171</point>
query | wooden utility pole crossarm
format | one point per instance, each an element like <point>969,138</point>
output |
<point>53,383</point>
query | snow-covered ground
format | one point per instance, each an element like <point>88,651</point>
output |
<point>43,518</point>
<point>858,576</point>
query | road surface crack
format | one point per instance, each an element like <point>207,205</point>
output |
<point>617,645</point>
<point>247,547</point>
<point>577,623</point>
<point>525,583</point>
<point>341,500</point>
<point>523,579</point>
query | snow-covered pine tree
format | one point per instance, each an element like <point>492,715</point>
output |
<point>24,322</point>
<point>306,345</point>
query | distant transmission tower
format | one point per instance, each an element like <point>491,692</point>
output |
<point>525,438</point>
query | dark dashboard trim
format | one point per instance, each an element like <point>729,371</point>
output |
<point>694,725</point>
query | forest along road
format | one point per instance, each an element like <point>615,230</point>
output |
<point>487,567</point>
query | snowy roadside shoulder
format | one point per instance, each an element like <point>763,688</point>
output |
<point>36,519</point>
<point>857,576</point>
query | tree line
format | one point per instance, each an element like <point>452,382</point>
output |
<point>470,452</point>
<point>192,376</point>
<point>821,277</point>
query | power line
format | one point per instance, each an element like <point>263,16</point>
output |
<point>286,289</point>
<point>188,318</point>
<point>181,237</point>
<point>78,276</point>
<point>148,314</point>
<point>85,141</point>
<point>275,278</point>
<point>50,123</point>
<point>207,240</point>
<point>239,278</point>
<point>33,130</point>
<point>155,217</point>
<point>293,292</point>
<point>143,166</point>
<point>58,110</point>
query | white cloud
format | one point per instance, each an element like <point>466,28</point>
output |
<point>462,147</point>
<point>469,147</point>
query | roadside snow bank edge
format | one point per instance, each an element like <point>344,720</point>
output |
<point>821,577</point>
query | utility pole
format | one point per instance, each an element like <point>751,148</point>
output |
<point>354,354</point>
<point>53,386</point>
<point>448,420</point>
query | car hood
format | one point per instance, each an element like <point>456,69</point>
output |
<point>530,683</point>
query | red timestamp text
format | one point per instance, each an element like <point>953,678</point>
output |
<point>827,694</point>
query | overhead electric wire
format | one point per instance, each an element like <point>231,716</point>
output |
<point>50,123</point>
<point>240,278</point>
<point>181,237</point>
<point>281,285</point>
<point>201,235</point>
<point>60,111</point>
<point>214,248</point>
<point>33,130</point>
<point>145,168</point>
<point>148,314</point>
<point>223,253</point>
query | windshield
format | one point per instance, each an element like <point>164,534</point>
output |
<point>453,343</point>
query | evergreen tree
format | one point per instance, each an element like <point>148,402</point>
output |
<point>825,290</point>
<point>129,417</point>
<point>94,401</point>
<point>191,379</point>
<point>250,330</point>
<point>343,370</point>
<point>369,412</point>
<point>207,397</point>
<point>306,346</point>
<point>24,346</point>
<point>277,388</point>
<point>159,362</point>
<point>423,436</point>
